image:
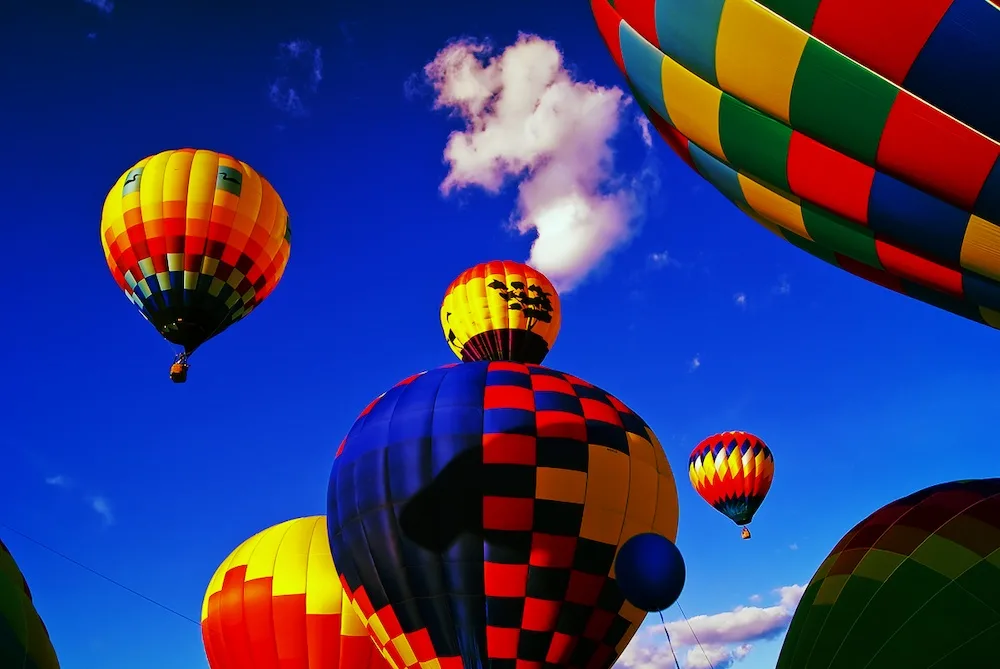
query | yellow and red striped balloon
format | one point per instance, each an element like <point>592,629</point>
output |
<point>276,603</point>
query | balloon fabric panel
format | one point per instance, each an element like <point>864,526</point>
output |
<point>501,310</point>
<point>276,603</point>
<point>825,149</point>
<point>24,640</point>
<point>916,584</point>
<point>196,239</point>
<point>475,512</point>
<point>733,472</point>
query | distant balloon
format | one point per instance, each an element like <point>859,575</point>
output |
<point>733,472</point>
<point>501,310</point>
<point>475,511</point>
<point>197,240</point>
<point>915,585</point>
<point>650,572</point>
<point>276,603</point>
<point>855,131</point>
<point>24,641</point>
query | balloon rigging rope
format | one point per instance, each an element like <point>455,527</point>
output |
<point>99,574</point>
<point>669,642</point>
<point>696,639</point>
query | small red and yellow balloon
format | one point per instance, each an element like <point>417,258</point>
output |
<point>733,472</point>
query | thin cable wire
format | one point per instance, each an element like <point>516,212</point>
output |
<point>99,574</point>
<point>696,640</point>
<point>669,642</point>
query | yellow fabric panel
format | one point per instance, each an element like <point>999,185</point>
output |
<point>757,54</point>
<point>774,206</point>
<point>607,495</point>
<point>830,590</point>
<point>981,248</point>
<point>201,192</point>
<point>350,623</point>
<point>561,485</point>
<point>290,560</point>
<point>405,650</point>
<point>693,106</point>
<point>324,593</point>
<point>261,562</point>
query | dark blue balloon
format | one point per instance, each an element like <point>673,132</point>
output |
<point>650,572</point>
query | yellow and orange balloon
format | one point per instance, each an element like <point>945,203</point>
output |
<point>277,603</point>
<point>196,240</point>
<point>501,311</point>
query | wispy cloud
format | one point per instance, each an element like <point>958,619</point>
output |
<point>740,300</point>
<point>783,287</point>
<point>97,503</point>
<point>719,640</point>
<point>793,547</point>
<point>102,508</point>
<point>527,119</point>
<point>301,74</point>
<point>661,259</point>
<point>755,598</point>
<point>103,6</point>
<point>645,129</point>
<point>695,363</point>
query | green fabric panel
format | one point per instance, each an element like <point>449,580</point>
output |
<point>841,235</point>
<point>754,143</point>
<point>839,624</point>
<point>811,248</point>
<point>815,620</point>
<point>799,12</point>
<point>839,103</point>
<point>944,556</point>
<point>885,613</point>
<point>983,580</point>
<point>947,621</point>
<point>978,652</point>
<point>39,645</point>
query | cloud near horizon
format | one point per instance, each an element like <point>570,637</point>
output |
<point>103,6</point>
<point>528,120</point>
<point>723,639</point>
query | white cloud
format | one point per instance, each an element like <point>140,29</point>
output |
<point>527,119</point>
<point>302,72</point>
<point>102,508</point>
<point>740,299</point>
<point>793,547</point>
<point>695,362</point>
<point>103,6</point>
<point>783,287</point>
<point>755,598</point>
<point>725,638</point>
<point>58,480</point>
<point>645,128</point>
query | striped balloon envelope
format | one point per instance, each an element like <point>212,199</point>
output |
<point>475,512</point>
<point>501,310</point>
<point>862,131</point>
<point>733,472</point>
<point>24,641</point>
<point>916,585</point>
<point>276,603</point>
<point>196,240</point>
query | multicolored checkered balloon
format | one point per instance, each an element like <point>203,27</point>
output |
<point>475,512</point>
<point>862,131</point>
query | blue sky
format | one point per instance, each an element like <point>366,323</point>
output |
<point>863,395</point>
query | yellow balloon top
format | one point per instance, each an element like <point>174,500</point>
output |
<point>501,310</point>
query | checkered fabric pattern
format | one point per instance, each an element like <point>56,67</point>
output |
<point>196,239</point>
<point>732,471</point>
<point>864,133</point>
<point>530,480</point>
<point>916,584</point>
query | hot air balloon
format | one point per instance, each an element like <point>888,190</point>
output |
<point>475,512</point>
<point>864,133</point>
<point>650,571</point>
<point>24,641</point>
<point>501,310</point>
<point>916,585</point>
<point>732,471</point>
<point>197,240</point>
<point>276,603</point>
